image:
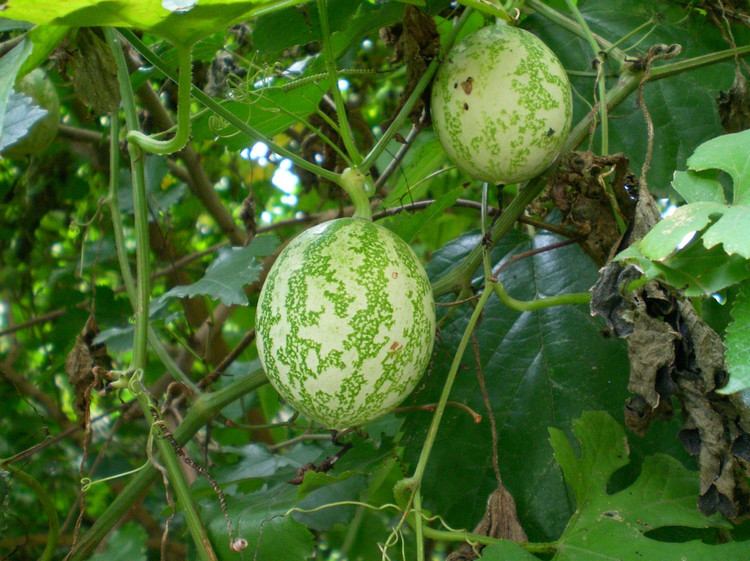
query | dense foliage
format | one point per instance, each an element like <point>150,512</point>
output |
<point>588,395</point>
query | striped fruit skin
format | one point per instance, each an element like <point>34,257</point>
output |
<point>345,322</point>
<point>501,105</point>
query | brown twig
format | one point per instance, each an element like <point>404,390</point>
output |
<point>531,252</point>
<point>431,408</point>
<point>490,413</point>
<point>228,360</point>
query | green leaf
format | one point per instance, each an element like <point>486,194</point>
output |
<point>127,543</point>
<point>613,526</point>
<point>698,186</point>
<point>299,25</point>
<point>260,519</point>
<point>694,270</point>
<point>270,110</point>
<point>9,67</point>
<point>338,488</point>
<point>664,238</point>
<point>181,27</point>
<point>728,153</point>
<point>423,159</point>
<point>409,226</point>
<point>736,343</point>
<point>717,258</point>
<point>45,39</point>
<point>229,273</point>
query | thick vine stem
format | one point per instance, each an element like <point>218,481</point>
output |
<point>169,457</point>
<point>182,133</point>
<point>360,188</point>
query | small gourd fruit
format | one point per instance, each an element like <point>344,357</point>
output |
<point>501,105</point>
<point>37,86</point>
<point>345,322</point>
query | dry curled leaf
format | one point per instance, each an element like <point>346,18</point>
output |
<point>734,105</point>
<point>416,42</point>
<point>500,521</point>
<point>675,355</point>
<point>578,190</point>
<point>80,364</point>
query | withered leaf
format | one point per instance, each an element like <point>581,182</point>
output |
<point>734,105</point>
<point>417,45</point>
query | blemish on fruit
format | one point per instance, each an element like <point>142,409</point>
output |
<point>394,275</point>
<point>455,85</point>
<point>467,85</point>
<point>466,106</point>
<point>550,132</point>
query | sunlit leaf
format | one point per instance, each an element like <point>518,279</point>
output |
<point>182,27</point>
<point>10,64</point>
<point>728,153</point>
<point>718,256</point>
<point>20,116</point>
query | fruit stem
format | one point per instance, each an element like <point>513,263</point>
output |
<point>182,132</point>
<point>330,60</point>
<point>488,8</point>
<point>360,188</point>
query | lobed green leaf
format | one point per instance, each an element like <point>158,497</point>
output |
<point>229,273</point>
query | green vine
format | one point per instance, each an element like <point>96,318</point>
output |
<point>142,299</point>
<point>182,132</point>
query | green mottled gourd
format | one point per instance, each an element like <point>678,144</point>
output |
<point>501,105</point>
<point>345,322</point>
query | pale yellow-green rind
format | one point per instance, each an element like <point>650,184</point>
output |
<point>345,322</point>
<point>502,105</point>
